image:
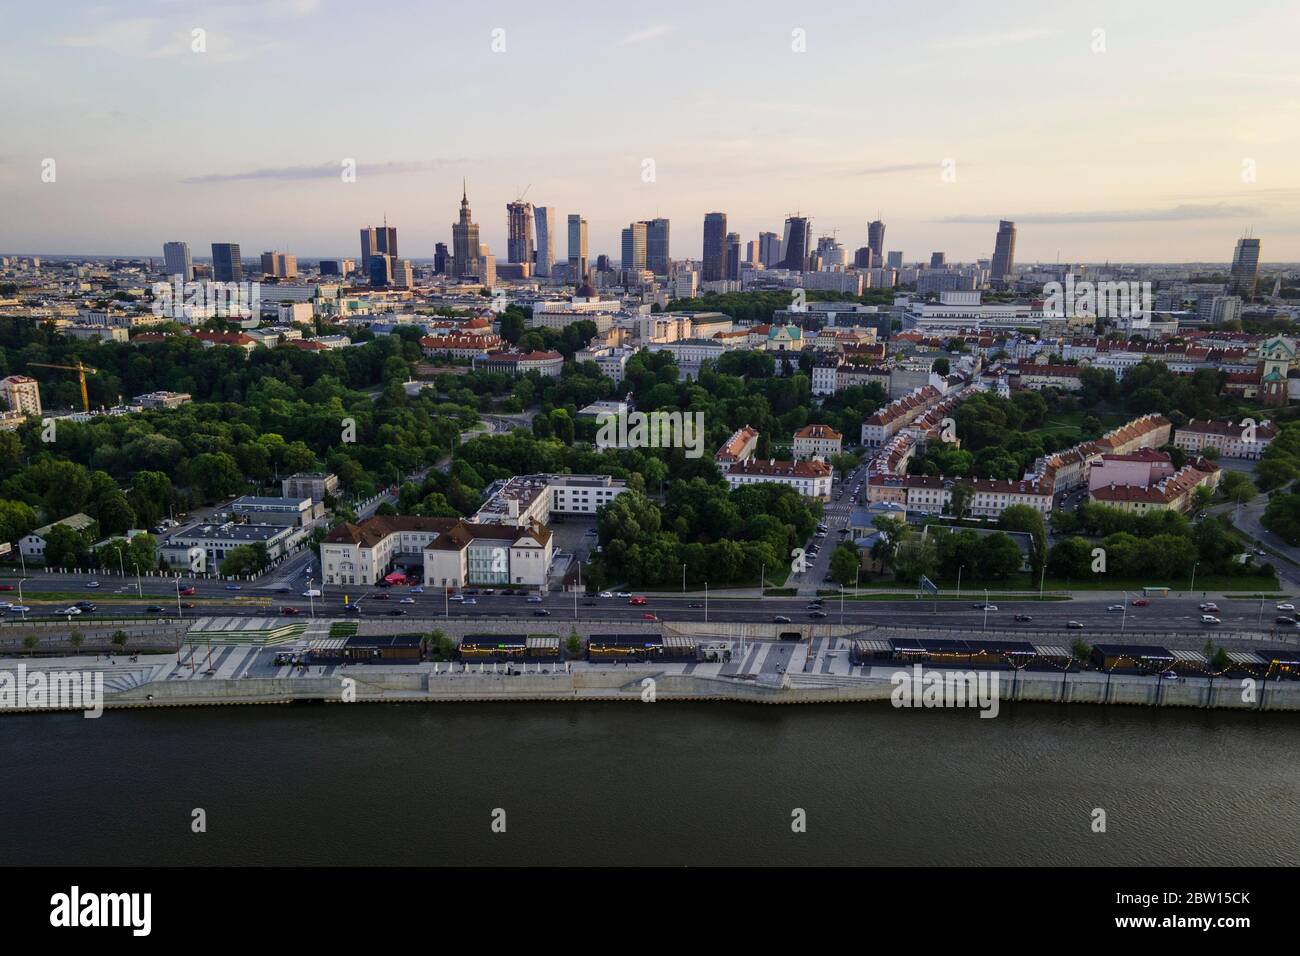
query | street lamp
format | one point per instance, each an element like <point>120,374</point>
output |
<point>1123,618</point>
<point>139,588</point>
<point>179,611</point>
<point>986,609</point>
<point>1192,586</point>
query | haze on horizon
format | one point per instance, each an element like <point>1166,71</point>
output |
<point>1134,153</point>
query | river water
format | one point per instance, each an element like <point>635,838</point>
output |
<point>664,784</point>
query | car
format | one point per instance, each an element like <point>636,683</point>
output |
<point>1024,617</point>
<point>92,584</point>
<point>780,619</point>
<point>695,605</point>
<point>592,531</point>
<point>829,579</point>
<point>381,596</point>
<point>1169,675</point>
<point>407,600</point>
<point>638,601</point>
<point>19,608</point>
<point>1141,602</point>
<point>814,605</point>
<point>470,591</point>
<point>624,594</point>
<point>1210,619</point>
<point>233,587</point>
<point>6,587</point>
<point>986,607</point>
<point>648,617</point>
<point>1074,625</point>
<point>541,612</point>
<point>606,594</point>
<point>189,591</point>
<point>69,611</point>
<point>188,604</point>
<point>396,612</point>
<point>1202,514</point>
<point>86,606</point>
<point>489,591</point>
<point>1209,606</point>
<point>1261,552</point>
<point>534,599</point>
<point>289,611</point>
<point>1116,607</point>
<point>1286,607</point>
<point>417,590</point>
<point>351,609</point>
<point>588,603</point>
<point>817,614</point>
<point>1285,620</point>
<point>455,597</point>
<point>153,609</point>
<point>467,602</point>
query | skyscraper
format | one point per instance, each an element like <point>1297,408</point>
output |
<point>796,244</point>
<point>895,259</point>
<point>177,261</point>
<point>657,255</point>
<point>733,257</point>
<point>440,258</point>
<point>769,249</point>
<point>577,247</point>
<point>369,245</point>
<point>380,270</point>
<point>938,260</point>
<point>545,239</point>
<point>464,239</point>
<point>387,239</point>
<point>519,231</point>
<point>226,263</point>
<point>634,246</point>
<point>876,240</point>
<point>282,265</point>
<point>1004,253</point>
<point>713,262</point>
<point>1245,268</point>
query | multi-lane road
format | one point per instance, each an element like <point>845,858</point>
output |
<point>1178,612</point>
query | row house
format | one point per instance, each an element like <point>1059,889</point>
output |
<point>1175,493</point>
<point>1245,439</point>
<point>894,417</point>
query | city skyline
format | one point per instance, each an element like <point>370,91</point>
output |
<point>1153,155</point>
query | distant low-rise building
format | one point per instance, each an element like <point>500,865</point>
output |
<point>316,485</point>
<point>817,441</point>
<point>1247,440</point>
<point>811,478</point>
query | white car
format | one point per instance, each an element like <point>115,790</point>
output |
<point>466,602</point>
<point>19,608</point>
<point>1115,607</point>
<point>70,610</point>
<point>606,594</point>
<point>1211,606</point>
<point>624,594</point>
<point>1209,619</point>
<point>407,600</point>
<point>456,597</point>
<point>1286,607</point>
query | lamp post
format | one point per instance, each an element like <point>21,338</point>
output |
<point>1192,586</point>
<point>706,602</point>
<point>179,611</point>
<point>139,588</point>
<point>683,580</point>
<point>1123,618</point>
<point>960,569</point>
<point>311,597</point>
<point>986,609</point>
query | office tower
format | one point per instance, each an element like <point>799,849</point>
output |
<point>577,247</point>
<point>1004,253</point>
<point>1245,268</point>
<point>769,249</point>
<point>177,261</point>
<point>403,274</point>
<point>895,260</point>
<point>464,239</point>
<point>657,256</point>
<point>545,239</point>
<point>226,264</point>
<point>733,257</point>
<point>938,260</point>
<point>634,246</point>
<point>797,242</point>
<point>519,231</point>
<point>281,265</point>
<point>440,258</point>
<point>752,255</point>
<point>713,262</point>
<point>876,240</point>
<point>380,270</point>
<point>603,264</point>
<point>863,258</point>
<point>331,267</point>
<point>369,245</point>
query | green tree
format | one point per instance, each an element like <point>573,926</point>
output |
<point>846,566</point>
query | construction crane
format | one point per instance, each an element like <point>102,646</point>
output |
<point>81,371</point>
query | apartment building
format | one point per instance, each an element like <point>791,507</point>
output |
<point>817,441</point>
<point>811,478</point>
<point>890,420</point>
<point>1175,493</point>
<point>738,447</point>
<point>1245,440</point>
<point>470,553</point>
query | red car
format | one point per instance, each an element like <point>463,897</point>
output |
<point>187,591</point>
<point>638,600</point>
<point>649,617</point>
<point>1141,602</point>
<point>6,587</point>
<point>289,611</point>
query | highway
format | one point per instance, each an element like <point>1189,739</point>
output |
<point>118,597</point>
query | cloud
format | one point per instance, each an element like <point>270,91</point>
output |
<point>895,168</point>
<point>1180,213</point>
<point>987,40</point>
<point>328,170</point>
<point>648,33</point>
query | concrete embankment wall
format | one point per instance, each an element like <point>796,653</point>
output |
<point>627,684</point>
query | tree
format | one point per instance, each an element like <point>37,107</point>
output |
<point>119,639</point>
<point>998,556</point>
<point>845,564</point>
<point>76,639</point>
<point>247,559</point>
<point>30,642</point>
<point>573,646</point>
<point>915,557</point>
<point>1029,520</point>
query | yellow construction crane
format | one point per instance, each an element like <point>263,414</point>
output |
<point>81,371</point>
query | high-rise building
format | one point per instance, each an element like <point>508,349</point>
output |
<point>177,261</point>
<point>440,258</point>
<point>380,270</point>
<point>282,265</point>
<point>634,246</point>
<point>752,254</point>
<point>369,245</point>
<point>577,247</point>
<point>713,262</point>
<point>732,272</point>
<point>21,394</point>
<point>519,231</point>
<point>464,239</point>
<point>797,243</point>
<point>895,259</point>
<point>403,274</point>
<point>386,236</point>
<point>227,266</point>
<point>769,249</point>
<point>657,256</point>
<point>864,258</point>
<point>938,260</point>
<point>545,239</point>
<point>1004,253</point>
<point>1245,268</point>
<point>876,240</point>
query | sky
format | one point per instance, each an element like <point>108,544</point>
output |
<point>1126,131</point>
